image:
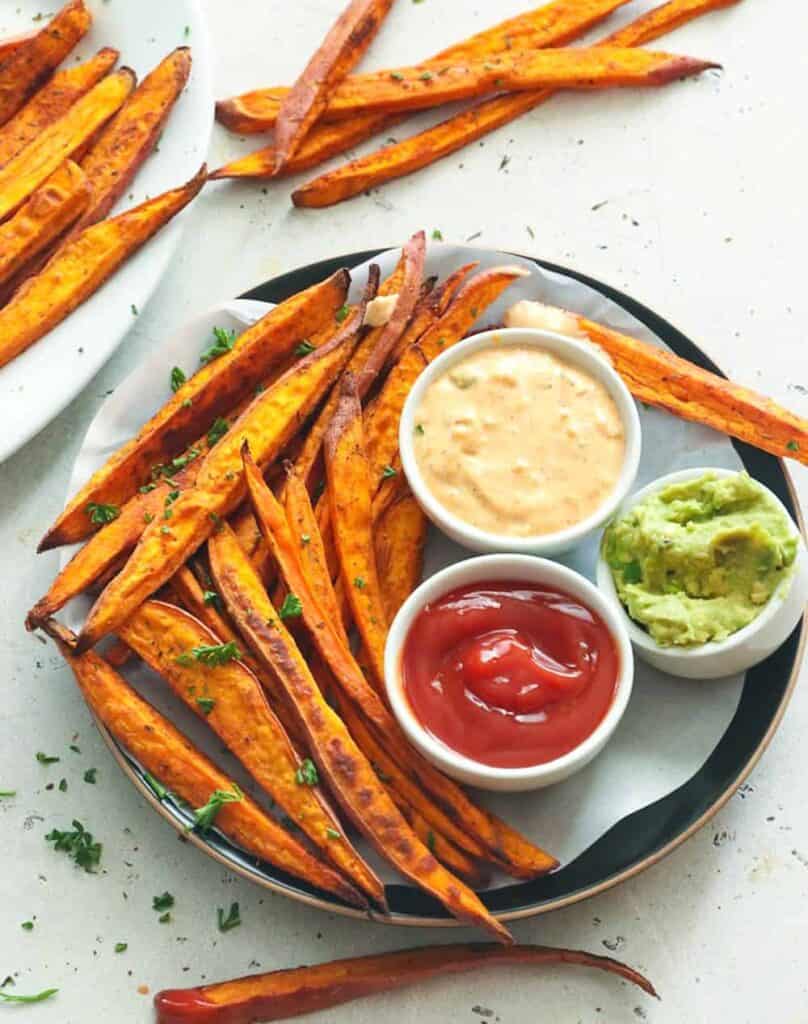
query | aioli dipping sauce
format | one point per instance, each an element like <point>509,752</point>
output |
<point>515,440</point>
<point>509,674</point>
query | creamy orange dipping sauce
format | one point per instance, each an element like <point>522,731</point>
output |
<point>516,441</point>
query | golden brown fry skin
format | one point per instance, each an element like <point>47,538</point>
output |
<point>267,425</point>
<point>164,636</point>
<point>400,539</point>
<point>27,67</point>
<point>291,993</point>
<point>116,156</point>
<point>55,205</point>
<point>9,44</point>
<point>351,778</point>
<point>445,138</point>
<point>342,48</point>
<point>173,760</point>
<point>26,171</point>
<point>553,24</point>
<point>213,390</point>
<point>47,105</point>
<point>82,267</point>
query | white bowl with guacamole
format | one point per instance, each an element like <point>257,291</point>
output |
<point>709,571</point>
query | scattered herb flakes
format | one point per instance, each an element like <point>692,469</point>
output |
<point>165,530</point>
<point>426,76</point>
<point>38,998</point>
<point>389,471</point>
<point>102,514</point>
<point>134,309</point>
<point>231,920</point>
<point>437,235</point>
<point>217,431</point>
<point>331,833</point>
<point>163,902</point>
<point>292,607</point>
<point>74,748</point>
<point>205,816</point>
<point>419,429</point>
<point>89,776</point>
<point>7,793</point>
<point>305,348</point>
<point>342,313</point>
<point>430,841</point>
<point>306,775</point>
<point>792,446</point>
<point>530,231</point>
<point>45,758</point>
<point>210,597</point>
<point>476,234</point>
<point>211,654</point>
<point>359,583</point>
<point>63,785</point>
<point>155,786</point>
<point>79,845</point>
<point>148,517</point>
<point>504,162</point>
<point>187,31</point>
<point>27,926</point>
<point>223,343</point>
<point>146,488</point>
<point>206,704</point>
<point>305,538</point>
<point>121,947</point>
<point>178,378</point>
<point>164,918</point>
<point>396,76</point>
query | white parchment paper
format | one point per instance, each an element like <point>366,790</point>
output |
<point>671,725</point>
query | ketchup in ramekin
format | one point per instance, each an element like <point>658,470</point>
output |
<point>509,674</point>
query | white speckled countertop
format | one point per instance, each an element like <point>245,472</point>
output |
<point>693,200</point>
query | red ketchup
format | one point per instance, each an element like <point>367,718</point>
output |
<point>509,674</point>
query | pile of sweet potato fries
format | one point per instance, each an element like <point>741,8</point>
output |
<point>510,69</point>
<point>71,142</point>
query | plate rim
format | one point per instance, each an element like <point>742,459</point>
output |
<point>398,918</point>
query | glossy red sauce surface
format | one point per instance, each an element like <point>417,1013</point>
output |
<point>508,673</point>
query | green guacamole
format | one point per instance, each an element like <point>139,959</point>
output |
<point>698,560</point>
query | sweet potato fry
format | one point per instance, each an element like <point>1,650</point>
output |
<point>349,502</point>
<point>268,424</point>
<point>553,24</point>
<point>9,44</point>
<point>400,539</point>
<point>55,205</point>
<point>83,266</point>
<point>449,855</point>
<point>350,776</point>
<point>52,101</point>
<point>229,697</point>
<point>665,380</point>
<point>164,752</point>
<point>212,391</point>
<point>343,47</point>
<point>482,830</point>
<point>445,138</point>
<point>24,70</point>
<point>291,993</point>
<point>26,171</point>
<point>383,418</point>
<point>115,157</point>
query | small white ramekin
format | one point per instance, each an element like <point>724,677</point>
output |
<point>580,354</point>
<point>488,569</point>
<point>744,649</point>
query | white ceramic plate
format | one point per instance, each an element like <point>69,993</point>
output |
<point>38,384</point>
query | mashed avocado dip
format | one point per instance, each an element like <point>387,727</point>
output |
<point>698,560</point>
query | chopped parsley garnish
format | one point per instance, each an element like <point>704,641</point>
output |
<point>121,947</point>
<point>165,918</point>
<point>148,517</point>
<point>78,844</point>
<point>210,597</point>
<point>217,431</point>
<point>306,775</point>
<point>206,815</point>
<point>74,748</point>
<point>147,487</point>
<point>426,76</point>
<point>178,378</point>
<point>102,514</point>
<point>305,348</point>
<point>156,787</point>
<point>7,792</point>
<point>305,538</point>
<point>397,76</point>
<point>45,758</point>
<point>206,704</point>
<point>331,833</point>
<point>232,920</point>
<point>342,313</point>
<point>211,654</point>
<point>63,785</point>
<point>792,446</point>
<point>389,471</point>
<point>38,998</point>
<point>134,309</point>
<point>292,607</point>
<point>223,343</point>
<point>359,583</point>
<point>90,774</point>
<point>164,902</point>
<point>27,926</point>
<point>437,235</point>
<point>419,428</point>
<point>430,841</point>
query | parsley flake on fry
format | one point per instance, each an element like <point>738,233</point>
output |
<point>102,514</point>
<point>205,816</point>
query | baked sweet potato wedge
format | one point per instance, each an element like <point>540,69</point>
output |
<point>400,538</point>
<point>83,266</point>
<point>343,47</point>
<point>483,832</point>
<point>429,146</point>
<point>53,100</point>
<point>552,24</point>
<point>267,425</point>
<point>24,70</point>
<point>26,171</point>
<point>350,776</point>
<point>56,204</point>
<point>228,696</point>
<point>349,491</point>
<point>116,156</point>
<point>9,44</point>
<point>162,750</point>
<point>285,994</point>
<point>663,379</point>
<point>213,390</point>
